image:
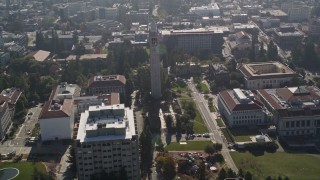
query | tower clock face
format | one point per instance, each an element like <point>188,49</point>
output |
<point>154,41</point>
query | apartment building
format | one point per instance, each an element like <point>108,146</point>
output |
<point>107,84</point>
<point>266,75</point>
<point>107,141</point>
<point>210,10</point>
<point>296,110</point>
<point>241,108</point>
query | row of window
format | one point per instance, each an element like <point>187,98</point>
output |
<point>298,132</point>
<point>247,117</point>
<point>302,123</point>
<point>242,122</point>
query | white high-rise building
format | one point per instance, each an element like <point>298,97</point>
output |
<point>154,62</point>
<point>107,142</point>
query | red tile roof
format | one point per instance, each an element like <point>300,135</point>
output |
<point>235,106</point>
<point>64,111</point>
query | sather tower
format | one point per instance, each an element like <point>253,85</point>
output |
<point>154,62</point>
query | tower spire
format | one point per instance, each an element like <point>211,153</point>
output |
<point>154,62</point>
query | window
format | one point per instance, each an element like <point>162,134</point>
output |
<point>287,124</point>
<point>298,123</point>
<point>302,123</point>
<point>308,123</point>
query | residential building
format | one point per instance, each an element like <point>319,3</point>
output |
<point>107,141</point>
<point>219,73</point>
<point>209,39</point>
<point>268,23</point>
<point>287,37</point>
<point>240,44</point>
<point>241,108</point>
<point>266,75</point>
<point>210,10</point>
<point>277,14</point>
<point>87,57</point>
<point>296,110</point>
<point>187,69</point>
<point>106,84</point>
<point>141,16</point>
<point>5,118</point>
<point>155,64</point>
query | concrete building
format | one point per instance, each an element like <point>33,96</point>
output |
<point>57,115</point>
<point>296,110</point>
<point>5,118</point>
<point>209,39</point>
<point>241,108</point>
<point>210,10</point>
<point>219,73</point>
<point>287,37</point>
<point>106,84</point>
<point>84,102</point>
<point>187,69</point>
<point>107,141</point>
<point>57,120</point>
<point>141,16</point>
<point>297,12</point>
<point>266,75</point>
<point>277,14</point>
<point>39,55</point>
<point>239,18</point>
<point>155,64</point>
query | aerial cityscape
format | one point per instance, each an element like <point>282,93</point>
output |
<point>160,90</point>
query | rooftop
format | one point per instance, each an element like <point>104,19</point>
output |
<point>103,123</point>
<point>206,30</point>
<point>240,100</point>
<point>110,80</point>
<point>11,96</point>
<point>266,70</point>
<point>293,101</point>
<point>65,90</point>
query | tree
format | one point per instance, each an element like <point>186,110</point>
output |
<point>240,173</point>
<point>169,122</point>
<point>217,147</point>
<point>248,176</point>
<point>272,51</point>
<point>166,166</point>
<point>231,174</point>
<point>72,162</point>
<point>209,149</point>
<point>310,55</point>
<point>222,175</point>
<point>201,174</point>
<point>146,148</point>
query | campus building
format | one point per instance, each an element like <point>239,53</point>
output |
<point>106,84</point>
<point>266,75</point>
<point>296,110</point>
<point>107,141</point>
<point>241,108</point>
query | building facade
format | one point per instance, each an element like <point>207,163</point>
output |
<point>296,110</point>
<point>219,73</point>
<point>241,108</point>
<point>5,118</point>
<point>107,141</point>
<point>266,75</point>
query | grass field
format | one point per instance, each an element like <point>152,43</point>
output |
<point>220,122</point>
<point>26,169</point>
<point>199,126</point>
<point>243,134</point>
<point>212,108</point>
<point>227,134</point>
<point>295,166</point>
<point>190,146</point>
<point>180,87</point>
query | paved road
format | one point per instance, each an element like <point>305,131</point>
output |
<point>212,125</point>
<point>18,143</point>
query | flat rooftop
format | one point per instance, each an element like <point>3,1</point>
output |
<point>207,30</point>
<point>266,70</point>
<point>103,123</point>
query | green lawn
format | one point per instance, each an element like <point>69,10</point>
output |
<point>26,169</point>
<point>190,146</point>
<point>212,108</point>
<point>220,122</point>
<point>295,166</point>
<point>199,126</point>
<point>227,134</point>
<point>180,87</point>
<point>242,134</point>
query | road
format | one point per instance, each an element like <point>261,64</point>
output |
<point>212,125</point>
<point>18,143</point>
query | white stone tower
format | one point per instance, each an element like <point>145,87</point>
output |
<point>154,62</point>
